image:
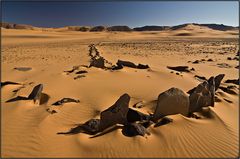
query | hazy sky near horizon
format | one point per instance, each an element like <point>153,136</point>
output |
<point>58,14</point>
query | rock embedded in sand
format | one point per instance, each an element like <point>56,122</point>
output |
<point>163,121</point>
<point>81,72</point>
<point>97,62</point>
<point>179,68</point>
<point>200,77</point>
<point>202,96</point>
<point>36,93</point>
<point>92,126</point>
<point>9,83</point>
<point>126,63</point>
<point>195,62</point>
<point>134,115</point>
<point>134,129</point>
<point>141,66</point>
<point>172,101</point>
<point>116,114</point>
<point>234,81</point>
<point>65,100</point>
<point>23,68</point>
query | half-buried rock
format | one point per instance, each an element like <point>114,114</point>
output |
<point>66,100</point>
<point>179,68</point>
<point>35,95</point>
<point>116,114</point>
<point>202,96</point>
<point>172,101</point>
<point>134,129</point>
<point>134,115</point>
<point>126,63</point>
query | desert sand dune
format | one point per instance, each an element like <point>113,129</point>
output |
<point>60,61</point>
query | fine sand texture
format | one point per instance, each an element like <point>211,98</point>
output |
<point>53,58</point>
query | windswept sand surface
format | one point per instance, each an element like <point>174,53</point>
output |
<point>29,130</point>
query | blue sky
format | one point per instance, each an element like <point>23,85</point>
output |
<point>57,14</point>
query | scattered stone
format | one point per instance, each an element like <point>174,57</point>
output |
<point>141,66</point>
<point>238,53</point>
<point>66,100</point>
<point>133,116</point>
<point>201,77</point>
<point>192,69</point>
<point>210,60</point>
<point>134,129</point>
<point>79,76</point>
<point>237,67</point>
<point>23,68</point>
<point>195,62</point>
<point>179,68</point>
<point>224,65</point>
<point>81,72</point>
<point>229,58</point>
<point>171,72</point>
<point>172,101</point>
<point>116,114</point>
<point>126,63</point>
<point>177,73</point>
<point>90,127</point>
<point>236,58</point>
<point>203,60</point>
<point>228,90</point>
<point>9,83</point>
<point>234,81</point>
<point>163,121</point>
<point>35,95</point>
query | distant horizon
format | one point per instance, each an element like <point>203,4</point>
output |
<point>128,13</point>
<point>119,25</point>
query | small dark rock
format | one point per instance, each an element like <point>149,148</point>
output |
<point>141,66</point>
<point>81,72</point>
<point>234,81</point>
<point>163,121</point>
<point>65,100</point>
<point>179,68</point>
<point>195,62</point>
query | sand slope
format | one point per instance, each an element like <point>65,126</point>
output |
<point>28,130</point>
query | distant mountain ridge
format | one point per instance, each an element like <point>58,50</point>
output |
<point>124,28</point>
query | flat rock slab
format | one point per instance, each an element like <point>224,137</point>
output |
<point>116,114</point>
<point>36,93</point>
<point>9,83</point>
<point>179,68</point>
<point>234,81</point>
<point>172,101</point>
<point>23,68</point>
<point>66,100</point>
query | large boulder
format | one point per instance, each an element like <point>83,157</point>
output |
<point>202,96</point>
<point>172,101</point>
<point>116,114</point>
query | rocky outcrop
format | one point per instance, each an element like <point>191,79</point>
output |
<point>119,28</point>
<point>97,29</point>
<point>172,101</point>
<point>116,114</point>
